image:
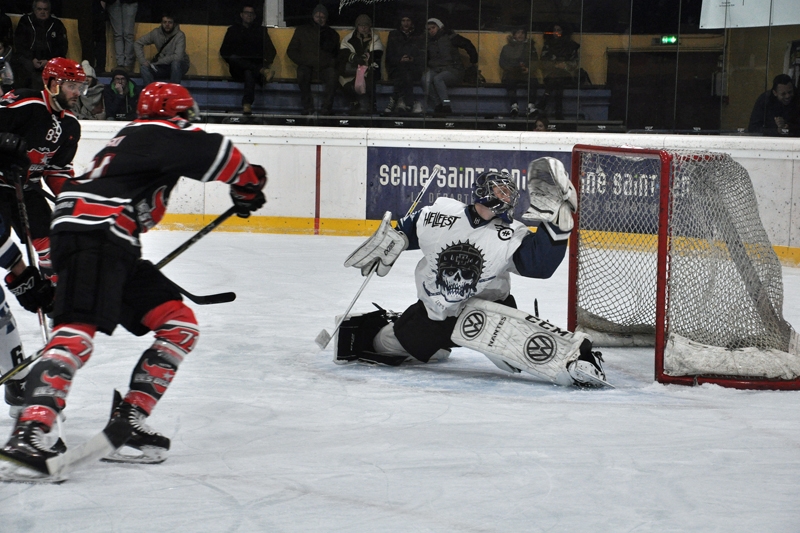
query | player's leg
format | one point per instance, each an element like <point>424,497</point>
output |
<point>518,342</point>
<point>11,355</point>
<point>152,304</point>
<point>381,337</point>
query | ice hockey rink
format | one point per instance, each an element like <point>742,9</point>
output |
<point>269,435</point>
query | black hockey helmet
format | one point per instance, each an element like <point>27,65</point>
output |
<point>498,192</point>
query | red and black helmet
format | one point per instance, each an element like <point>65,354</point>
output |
<point>165,100</point>
<point>63,69</point>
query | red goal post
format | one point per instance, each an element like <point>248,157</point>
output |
<point>669,251</point>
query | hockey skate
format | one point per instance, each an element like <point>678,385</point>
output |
<point>145,446</point>
<point>587,369</point>
<point>24,457</point>
<point>15,396</point>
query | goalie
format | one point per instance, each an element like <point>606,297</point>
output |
<point>463,282</point>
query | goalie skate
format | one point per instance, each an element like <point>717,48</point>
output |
<point>587,370</point>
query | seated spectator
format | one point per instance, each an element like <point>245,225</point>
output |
<point>360,48</point>
<point>249,52</point>
<point>405,61</point>
<point>560,66</point>
<point>540,122</point>
<point>520,65</point>
<point>6,45</point>
<point>445,67</point>
<point>776,111</point>
<point>121,96</point>
<point>90,106</point>
<point>39,37</point>
<point>314,48</point>
<point>171,61</point>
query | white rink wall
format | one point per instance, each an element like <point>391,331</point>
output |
<point>290,156</point>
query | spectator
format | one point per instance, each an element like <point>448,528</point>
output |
<point>776,111</point>
<point>560,66</point>
<point>540,122</point>
<point>39,38</point>
<point>249,52</point>
<point>6,45</point>
<point>121,96</point>
<point>90,106</point>
<point>404,62</point>
<point>171,61</point>
<point>520,65</point>
<point>360,48</point>
<point>314,48</point>
<point>445,67</point>
<point>122,16</point>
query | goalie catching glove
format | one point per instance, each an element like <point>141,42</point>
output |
<point>14,161</point>
<point>250,197</point>
<point>553,197</point>
<point>32,291</point>
<point>383,249</point>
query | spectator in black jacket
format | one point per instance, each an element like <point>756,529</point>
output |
<point>249,52</point>
<point>121,96</point>
<point>560,66</point>
<point>520,65</point>
<point>39,38</point>
<point>776,111</point>
<point>314,48</point>
<point>445,67</point>
<point>361,48</point>
<point>405,61</point>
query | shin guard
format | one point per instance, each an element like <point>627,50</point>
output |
<point>176,335</point>
<point>48,384</point>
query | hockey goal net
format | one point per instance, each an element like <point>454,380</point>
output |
<point>670,252</point>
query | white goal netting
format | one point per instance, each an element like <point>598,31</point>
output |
<point>721,287</point>
<point>345,3</point>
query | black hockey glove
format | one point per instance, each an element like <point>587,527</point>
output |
<point>14,160</point>
<point>32,292</point>
<point>249,198</point>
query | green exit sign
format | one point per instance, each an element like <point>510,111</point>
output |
<point>669,39</point>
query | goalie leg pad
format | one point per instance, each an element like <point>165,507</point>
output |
<point>517,341</point>
<point>356,334</point>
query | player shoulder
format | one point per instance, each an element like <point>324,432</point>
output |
<point>18,97</point>
<point>444,202</point>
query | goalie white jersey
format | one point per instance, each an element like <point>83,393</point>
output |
<point>463,258</point>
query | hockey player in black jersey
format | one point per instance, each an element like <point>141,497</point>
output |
<point>51,133</point>
<point>463,282</point>
<point>103,282</point>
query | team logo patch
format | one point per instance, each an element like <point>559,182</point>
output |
<point>540,348</point>
<point>504,234</point>
<point>473,324</point>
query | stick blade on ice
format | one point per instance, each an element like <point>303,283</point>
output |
<point>323,339</point>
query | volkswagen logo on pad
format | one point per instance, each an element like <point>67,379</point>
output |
<point>472,325</point>
<point>540,348</point>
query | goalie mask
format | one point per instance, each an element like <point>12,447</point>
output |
<point>498,192</point>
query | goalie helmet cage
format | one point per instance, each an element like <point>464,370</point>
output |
<point>669,251</point>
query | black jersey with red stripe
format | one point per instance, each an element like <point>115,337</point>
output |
<point>52,135</point>
<point>127,189</point>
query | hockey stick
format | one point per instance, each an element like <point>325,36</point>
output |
<point>26,228</point>
<point>323,338</point>
<point>209,299</point>
<point>196,237</point>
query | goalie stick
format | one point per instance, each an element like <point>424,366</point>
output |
<point>323,338</point>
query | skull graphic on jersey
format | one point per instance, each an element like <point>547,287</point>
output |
<point>458,269</point>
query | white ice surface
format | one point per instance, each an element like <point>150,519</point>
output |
<point>269,435</point>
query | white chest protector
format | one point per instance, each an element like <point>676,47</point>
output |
<point>461,262</point>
